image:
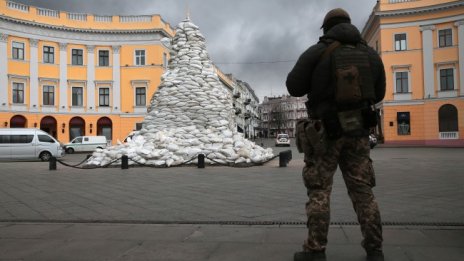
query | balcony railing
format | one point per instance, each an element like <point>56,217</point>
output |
<point>48,12</point>
<point>399,1</point>
<point>449,135</point>
<point>77,16</point>
<point>135,18</point>
<point>18,6</point>
<point>103,18</point>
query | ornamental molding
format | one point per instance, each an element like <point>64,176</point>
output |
<point>18,77</point>
<point>459,23</point>
<point>45,79</point>
<point>81,82</point>
<point>419,10</point>
<point>140,83</point>
<point>63,46</point>
<point>99,82</point>
<point>90,48</point>
<point>27,29</point>
<point>33,42</point>
<point>116,49</point>
<point>3,37</point>
<point>427,27</point>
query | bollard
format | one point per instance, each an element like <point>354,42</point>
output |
<point>284,158</point>
<point>124,162</point>
<point>201,161</point>
<point>52,163</point>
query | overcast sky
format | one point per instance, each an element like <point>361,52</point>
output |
<point>258,41</point>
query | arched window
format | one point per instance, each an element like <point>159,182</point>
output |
<point>18,121</point>
<point>448,118</point>
<point>49,125</point>
<point>76,127</point>
<point>105,127</point>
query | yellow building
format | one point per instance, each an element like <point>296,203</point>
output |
<point>422,45</point>
<point>76,74</point>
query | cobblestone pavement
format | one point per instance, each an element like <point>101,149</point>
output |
<point>179,213</point>
<point>413,185</point>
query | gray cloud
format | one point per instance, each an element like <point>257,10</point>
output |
<point>240,34</point>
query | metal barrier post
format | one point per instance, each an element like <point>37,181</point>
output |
<point>52,163</point>
<point>284,158</point>
<point>124,162</point>
<point>201,161</point>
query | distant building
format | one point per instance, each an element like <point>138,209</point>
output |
<point>245,104</point>
<point>421,43</point>
<point>280,114</point>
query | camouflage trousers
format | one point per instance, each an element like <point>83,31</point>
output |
<point>352,155</point>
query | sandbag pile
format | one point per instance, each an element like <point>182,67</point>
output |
<point>191,113</point>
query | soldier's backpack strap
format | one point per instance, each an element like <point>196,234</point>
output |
<point>330,49</point>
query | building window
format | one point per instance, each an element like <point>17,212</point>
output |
<point>404,123</point>
<point>401,82</point>
<point>447,79</point>
<point>77,57</point>
<point>48,95</point>
<point>139,57</point>
<point>48,54</point>
<point>445,38</point>
<point>77,96</point>
<point>104,97</point>
<point>104,58</point>
<point>400,42</point>
<point>18,51</point>
<point>448,118</point>
<point>18,92</point>
<point>140,96</point>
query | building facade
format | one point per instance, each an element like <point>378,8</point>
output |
<point>73,74</point>
<point>245,103</point>
<point>280,115</point>
<point>421,43</point>
<point>246,109</point>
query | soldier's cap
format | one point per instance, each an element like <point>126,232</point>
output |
<point>337,12</point>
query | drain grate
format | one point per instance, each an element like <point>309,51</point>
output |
<point>228,222</point>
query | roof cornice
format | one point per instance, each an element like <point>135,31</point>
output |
<point>419,10</point>
<point>83,30</point>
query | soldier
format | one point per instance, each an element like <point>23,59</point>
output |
<point>343,78</point>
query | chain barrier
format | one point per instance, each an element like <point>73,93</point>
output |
<point>185,163</point>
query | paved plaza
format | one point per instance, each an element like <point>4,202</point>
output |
<point>224,213</point>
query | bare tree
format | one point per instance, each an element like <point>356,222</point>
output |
<point>278,117</point>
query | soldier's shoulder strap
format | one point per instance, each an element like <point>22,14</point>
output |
<point>330,48</point>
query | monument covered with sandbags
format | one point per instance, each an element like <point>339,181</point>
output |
<point>190,114</point>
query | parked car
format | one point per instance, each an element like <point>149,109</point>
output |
<point>24,143</point>
<point>282,140</point>
<point>372,141</point>
<point>85,143</point>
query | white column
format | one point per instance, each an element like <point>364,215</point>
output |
<point>90,78</point>
<point>3,71</point>
<point>116,79</point>
<point>63,77</point>
<point>34,76</point>
<point>427,54</point>
<point>460,25</point>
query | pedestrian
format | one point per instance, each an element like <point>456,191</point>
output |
<point>343,79</point>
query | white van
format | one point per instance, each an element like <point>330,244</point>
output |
<point>22,143</point>
<point>85,143</point>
